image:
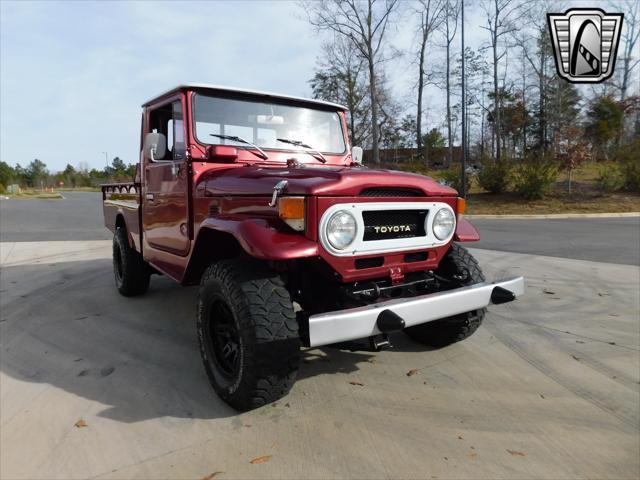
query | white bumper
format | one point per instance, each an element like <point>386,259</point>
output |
<point>362,322</point>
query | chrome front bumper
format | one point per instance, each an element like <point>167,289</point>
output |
<point>362,322</point>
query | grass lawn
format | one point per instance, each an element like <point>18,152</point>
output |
<point>79,189</point>
<point>558,202</point>
<point>585,197</point>
<point>33,195</point>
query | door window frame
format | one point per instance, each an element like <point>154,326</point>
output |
<point>147,129</point>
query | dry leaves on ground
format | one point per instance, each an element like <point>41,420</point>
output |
<point>516,453</point>
<point>212,476</point>
<point>81,423</point>
<point>262,459</point>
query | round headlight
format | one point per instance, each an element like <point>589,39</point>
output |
<point>443,223</point>
<point>341,230</point>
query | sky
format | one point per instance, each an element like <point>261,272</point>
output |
<point>73,74</point>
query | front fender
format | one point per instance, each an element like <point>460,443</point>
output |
<point>465,232</point>
<point>260,240</point>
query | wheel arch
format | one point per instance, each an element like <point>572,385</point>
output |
<point>122,223</point>
<point>210,246</point>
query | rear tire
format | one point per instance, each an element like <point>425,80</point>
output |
<point>446,331</point>
<point>248,333</point>
<point>131,272</point>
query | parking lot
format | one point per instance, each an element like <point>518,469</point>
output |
<point>95,385</point>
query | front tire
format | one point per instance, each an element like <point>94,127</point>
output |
<point>248,333</point>
<point>131,272</point>
<point>440,333</point>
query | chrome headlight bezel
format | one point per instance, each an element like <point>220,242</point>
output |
<point>333,238</point>
<point>444,224</point>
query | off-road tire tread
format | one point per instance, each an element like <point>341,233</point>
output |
<point>268,326</point>
<point>459,327</point>
<point>136,273</point>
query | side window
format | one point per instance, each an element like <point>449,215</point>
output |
<point>179,146</point>
<point>168,120</point>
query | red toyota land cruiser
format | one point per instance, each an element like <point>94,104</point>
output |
<point>260,200</point>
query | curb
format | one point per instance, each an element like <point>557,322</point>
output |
<point>554,216</point>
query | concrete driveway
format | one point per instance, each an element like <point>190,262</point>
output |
<point>547,388</point>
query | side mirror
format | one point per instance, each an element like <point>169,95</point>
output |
<point>155,146</point>
<point>356,155</point>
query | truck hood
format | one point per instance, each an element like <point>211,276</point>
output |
<point>319,181</point>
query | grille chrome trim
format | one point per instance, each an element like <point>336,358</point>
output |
<point>370,247</point>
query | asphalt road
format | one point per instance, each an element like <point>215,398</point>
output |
<point>611,240</point>
<point>96,385</point>
<point>77,217</point>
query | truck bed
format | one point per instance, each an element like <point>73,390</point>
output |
<point>121,205</point>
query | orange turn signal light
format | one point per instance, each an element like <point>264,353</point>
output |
<point>462,205</point>
<point>291,208</point>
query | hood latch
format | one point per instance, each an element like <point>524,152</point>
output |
<point>277,190</point>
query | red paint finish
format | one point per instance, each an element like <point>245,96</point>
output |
<point>261,239</point>
<point>199,191</point>
<point>465,232</point>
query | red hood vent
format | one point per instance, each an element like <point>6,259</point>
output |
<point>391,192</point>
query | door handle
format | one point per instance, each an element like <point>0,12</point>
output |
<point>150,196</point>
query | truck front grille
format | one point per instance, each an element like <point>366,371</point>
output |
<point>393,224</point>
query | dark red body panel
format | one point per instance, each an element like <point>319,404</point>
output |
<point>260,239</point>
<point>465,232</point>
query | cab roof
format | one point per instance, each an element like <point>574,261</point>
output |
<point>221,88</point>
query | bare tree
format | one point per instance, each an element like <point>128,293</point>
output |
<point>535,47</point>
<point>630,36</point>
<point>475,71</point>
<point>364,23</point>
<point>340,77</point>
<point>431,15</point>
<point>502,18</point>
<point>449,28</point>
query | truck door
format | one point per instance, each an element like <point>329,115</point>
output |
<point>165,189</point>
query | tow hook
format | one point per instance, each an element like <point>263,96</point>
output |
<point>380,342</point>
<point>375,343</point>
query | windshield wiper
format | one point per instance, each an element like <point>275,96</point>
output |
<point>308,148</point>
<point>263,155</point>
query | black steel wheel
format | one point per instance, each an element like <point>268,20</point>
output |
<point>248,333</point>
<point>130,271</point>
<point>224,339</point>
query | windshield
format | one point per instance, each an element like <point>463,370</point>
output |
<point>263,123</point>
